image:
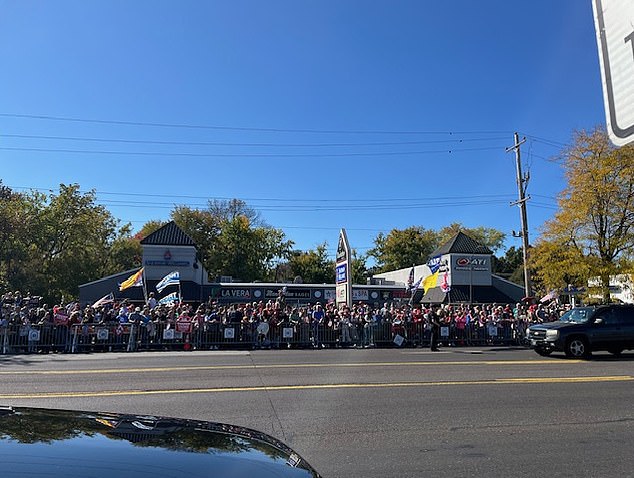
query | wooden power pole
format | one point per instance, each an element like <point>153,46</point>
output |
<point>522,181</point>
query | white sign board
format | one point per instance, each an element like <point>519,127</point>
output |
<point>343,271</point>
<point>614,23</point>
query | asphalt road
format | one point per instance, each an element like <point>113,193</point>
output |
<point>359,413</point>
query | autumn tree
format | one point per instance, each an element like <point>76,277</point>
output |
<point>592,233</point>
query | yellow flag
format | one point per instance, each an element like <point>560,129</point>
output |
<point>135,280</point>
<point>430,281</point>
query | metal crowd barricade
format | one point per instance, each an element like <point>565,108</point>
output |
<point>36,338</point>
<point>114,337</point>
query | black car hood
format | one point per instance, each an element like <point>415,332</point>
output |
<point>58,443</point>
<point>558,324</point>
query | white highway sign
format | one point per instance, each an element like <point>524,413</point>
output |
<point>614,23</point>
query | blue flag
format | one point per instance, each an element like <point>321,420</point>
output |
<point>173,278</point>
<point>169,298</point>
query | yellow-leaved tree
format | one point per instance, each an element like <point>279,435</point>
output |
<point>592,232</point>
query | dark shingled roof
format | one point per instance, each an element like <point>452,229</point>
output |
<point>460,293</point>
<point>169,235</point>
<point>461,244</point>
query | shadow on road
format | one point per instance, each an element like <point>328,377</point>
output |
<point>15,360</point>
<point>598,357</point>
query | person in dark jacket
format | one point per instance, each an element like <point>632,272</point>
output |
<point>434,322</point>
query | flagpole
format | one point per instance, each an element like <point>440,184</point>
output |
<point>144,285</point>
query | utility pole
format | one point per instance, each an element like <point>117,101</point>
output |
<point>522,181</point>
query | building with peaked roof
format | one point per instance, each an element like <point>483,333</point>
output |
<point>169,235</point>
<point>463,270</point>
<point>461,244</point>
<point>462,266</point>
<point>165,250</point>
<point>170,249</point>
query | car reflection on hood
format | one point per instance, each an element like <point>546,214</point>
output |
<point>60,443</point>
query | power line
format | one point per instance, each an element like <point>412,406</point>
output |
<point>550,142</point>
<point>330,208</point>
<point>248,155</point>
<point>231,128</point>
<point>213,143</point>
<point>294,200</point>
<point>554,198</point>
<point>309,228</point>
<point>431,201</point>
<point>544,206</point>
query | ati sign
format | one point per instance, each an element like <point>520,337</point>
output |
<point>471,264</point>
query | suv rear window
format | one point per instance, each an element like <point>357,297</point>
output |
<point>579,315</point>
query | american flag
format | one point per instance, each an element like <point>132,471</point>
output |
<point>410,279</point>
<point>106,299</point>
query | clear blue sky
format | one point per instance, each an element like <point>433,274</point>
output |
<point>425,77</point>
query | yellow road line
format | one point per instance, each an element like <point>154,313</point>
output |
<point>278,366</point>
<point>327,386</point>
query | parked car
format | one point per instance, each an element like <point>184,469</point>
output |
<point>43,442</point>
<point>582,330</point>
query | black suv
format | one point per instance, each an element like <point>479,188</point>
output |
<point>582,330</point>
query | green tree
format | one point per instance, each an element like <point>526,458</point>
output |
<point>487,236</point>
<point>148,228</point>
<point>17,215</point>
<point>360,271</point>
<point>313,266</point>
<point>592,233</point>
<point>125,251</point>
<point>402,248</point>
<point>233,240</point>
<point>73,238</point>
<point>50,244</point>
<point>510,265</point>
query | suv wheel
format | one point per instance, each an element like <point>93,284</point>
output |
<point>577,347</point>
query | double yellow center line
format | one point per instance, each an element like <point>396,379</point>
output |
<point>324,386</point>
<point>334,386</point>
<point>186,368</point>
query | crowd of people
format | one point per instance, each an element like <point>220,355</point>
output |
<point>317,325</point>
